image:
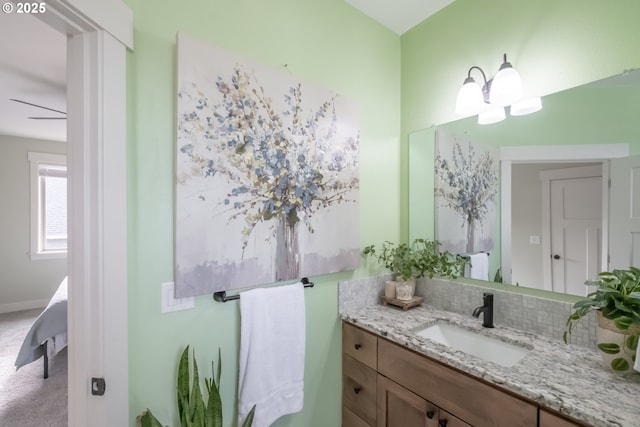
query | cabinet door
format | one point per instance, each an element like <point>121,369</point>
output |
<point>547,419</point>
<point>359,389</point>
<point>398,407</point>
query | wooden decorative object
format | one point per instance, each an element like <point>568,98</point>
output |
<point>413,302</point>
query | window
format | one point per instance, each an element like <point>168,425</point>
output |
<point>48,173</point>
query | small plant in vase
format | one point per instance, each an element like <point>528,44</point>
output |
<point>616,302</point>
<point>421,258</point>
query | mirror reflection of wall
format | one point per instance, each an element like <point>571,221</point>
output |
<point>603,112</point>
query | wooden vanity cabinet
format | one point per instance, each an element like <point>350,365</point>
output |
<point>397,406</point>
<point>359,377</point>
<point>471,400</point>
<point>387,385</point>
<point>549,419</point>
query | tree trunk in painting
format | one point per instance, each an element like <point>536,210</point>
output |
<point>287,250</point>
<point>471,231</point>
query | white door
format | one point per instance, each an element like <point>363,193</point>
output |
<point>576,232</point>
<point>624,235</point>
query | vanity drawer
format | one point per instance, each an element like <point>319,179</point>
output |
<point>549,419</point>
<point>349,419</point>
<point>360,344</point>
<point>469,399</point>
<point>359,389</point>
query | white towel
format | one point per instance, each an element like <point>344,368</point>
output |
<point>272,348</point>
<point>479,268</point>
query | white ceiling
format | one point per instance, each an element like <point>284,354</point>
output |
<point>32,69</point>
<point>399,15</point>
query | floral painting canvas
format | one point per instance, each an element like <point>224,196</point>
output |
<point>267,174</point>
<point>466,180</point>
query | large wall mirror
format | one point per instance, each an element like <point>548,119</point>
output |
<point>554,162</point>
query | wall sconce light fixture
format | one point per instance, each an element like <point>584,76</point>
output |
<point>489,100</point>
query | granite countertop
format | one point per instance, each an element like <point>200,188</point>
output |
<point>567,378</point>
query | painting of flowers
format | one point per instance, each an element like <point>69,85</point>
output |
<point>466,186</point>
<point>267,174</point>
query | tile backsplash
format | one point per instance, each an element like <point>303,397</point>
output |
<point>540,315</point>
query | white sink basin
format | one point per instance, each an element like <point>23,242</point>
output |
<point>475,344</point>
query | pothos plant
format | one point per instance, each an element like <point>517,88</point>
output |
<point>419,259</point>
<point>617,298</point>
<point>193,408</point>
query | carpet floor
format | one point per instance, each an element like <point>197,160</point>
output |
<point>27,399</point>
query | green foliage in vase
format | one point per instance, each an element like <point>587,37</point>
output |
<point>193,408</point>
<point>617,297</point>
<point>418,259</point>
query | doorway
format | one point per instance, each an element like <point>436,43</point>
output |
<point>97,38</point>
<point>572,226</point>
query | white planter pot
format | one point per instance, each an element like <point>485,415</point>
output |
<point>617,347</point>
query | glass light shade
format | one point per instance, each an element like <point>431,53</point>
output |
<point>506,87</point>
<point>493,115</point>
<point>526,106</point>
<point>470,99</point>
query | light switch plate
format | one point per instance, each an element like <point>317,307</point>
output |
<point>169,301</point>
<point>534,240</point>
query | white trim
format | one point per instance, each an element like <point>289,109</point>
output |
<point>545,181</point>
<point>563,153</point>
<point>98,247</point>
<point>35,158</point>
<point>23,305</point>
<point>98,34</point>
<point>543,154</point>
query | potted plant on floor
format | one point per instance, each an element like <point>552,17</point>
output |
<point>616,302</point>
<point>195,410</point>
<point>421,258</point>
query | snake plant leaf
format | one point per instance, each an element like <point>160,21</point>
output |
<point>197,402</point>
<point>619,364</point>
<point>609,348</point>
<point>183,381</point>
<point>213,413</point>
<point>249,420</point>
<point>148,420</point>
<point>217,383</point>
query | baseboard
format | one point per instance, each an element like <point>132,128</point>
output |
<point>23,305</point>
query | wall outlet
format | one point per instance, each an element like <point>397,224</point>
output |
<point>171,303</point>
<point>534,240</point>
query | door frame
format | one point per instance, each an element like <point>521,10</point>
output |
<point>568,173</point>
<point>549,154</point>
<point>98,36</point>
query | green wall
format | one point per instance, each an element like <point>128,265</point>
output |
<point>553,44</point>
<point>323,42</point>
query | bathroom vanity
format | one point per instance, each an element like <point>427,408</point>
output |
<point>393,376</point>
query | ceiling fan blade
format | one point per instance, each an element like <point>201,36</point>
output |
<point>47,118</point>
<point>38,106</point>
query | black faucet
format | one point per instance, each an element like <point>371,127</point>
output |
<point>487,309</point>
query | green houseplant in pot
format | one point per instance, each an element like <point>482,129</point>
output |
<point>616,302</point>
<point>421,258</point>
<point>194,409</point>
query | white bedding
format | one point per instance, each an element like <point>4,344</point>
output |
<point>50,326</point>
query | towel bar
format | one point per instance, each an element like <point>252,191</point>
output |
<point>221,296</point>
